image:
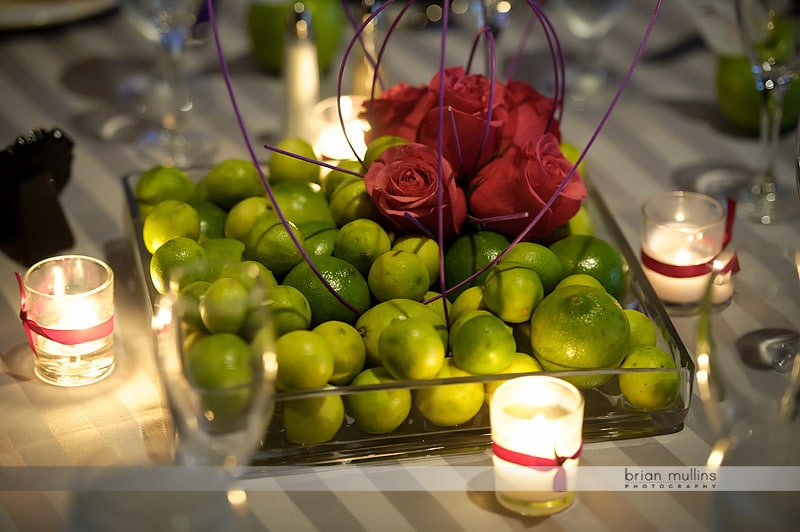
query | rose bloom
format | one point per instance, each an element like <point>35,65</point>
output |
<point>398,111</point>
<point>405,179</point>
<point>467,100</point>
<point>529,115</point>
<point>522,180</point>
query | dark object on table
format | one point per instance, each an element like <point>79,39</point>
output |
<point>33,170</point>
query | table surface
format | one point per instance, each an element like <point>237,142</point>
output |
<point>76,77</point>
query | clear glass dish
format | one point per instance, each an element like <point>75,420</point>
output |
<point>607,415</point>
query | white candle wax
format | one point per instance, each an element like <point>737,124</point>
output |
<point>302,88</point>
<point>539,417</point>
<point>679,244</point>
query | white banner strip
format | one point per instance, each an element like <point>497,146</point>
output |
<point>388,478</point>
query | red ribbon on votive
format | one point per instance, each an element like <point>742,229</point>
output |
<point>696,270</point>
<point>62,336</point>
<point>539,463</point>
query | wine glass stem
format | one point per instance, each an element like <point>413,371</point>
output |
<point>170,45</point>
<point>771,117</point>
<point>588,57</point>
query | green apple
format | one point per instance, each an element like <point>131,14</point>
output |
<point>267,22</point>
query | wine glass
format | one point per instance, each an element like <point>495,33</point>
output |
<point>169,23</point>
<point>220,386</point>
<point>770,31</point>
<point>589,21</point>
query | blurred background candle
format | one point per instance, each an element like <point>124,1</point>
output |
<point>68,312</point>
<point>330,140</point>
<point>682,234</point>
<point>537,424</point>
<point>302,74</point>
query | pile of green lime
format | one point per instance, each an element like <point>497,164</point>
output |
<point>354,304</point>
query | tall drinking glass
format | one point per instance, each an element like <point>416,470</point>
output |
<point>220,385</point>
<point>589,21</point>
<point>770,31</point>
<point>169,23</point>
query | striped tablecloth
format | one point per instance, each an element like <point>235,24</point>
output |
<point>76,77</point>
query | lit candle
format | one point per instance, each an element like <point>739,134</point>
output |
<point>682,235</point>
<point>330,139</point>
<point>68,313</point>
<point>536,424</point>
<point>302,75</point>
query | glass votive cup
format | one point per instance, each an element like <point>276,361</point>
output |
<point>683,235</point>
<point>330,139</point>
<point>67,311</point>
<point>537,425</point>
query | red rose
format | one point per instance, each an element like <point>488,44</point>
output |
<point>528,115</point>
<point>405,180</point>
<point>522,180</point>
<point>398,111</point>
<point>466,104</point>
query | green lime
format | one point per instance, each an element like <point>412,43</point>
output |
<point>739,99</point>
<point>450,405</point>
<point>583,279</point>
<point>301,202</point>
<point>398,275</point>
<point>265,25</point>
<point>305,361</point>
<point>596,257</point>
<point>244,215</point>
<point>333,179</point>
<point>349,353</point>
<point>161,183</point>
<point>411,349</point>
<point>311,420</point>
<point>212,219</point>
<point>580,327</point>
<point>220,361</point>
<point>180,260</point>
<point>290,309</point>
<point>539,258</point>
<point>360,242</point>
<point>350,201</point>
<point>581,223</point>
<point>468,300</point>
<point>512,291</point>
<point>482,345</point>
<point>189,303</point>
<point>469,253</point>
<point>643,330</point>
<point>284,167</point>
<point>646,390</point>
<point>320,237</point>
<point>224,306</point>
<point>232,180</point>
<point>167,220</point>
<point>253,276</point>
<point>374,320</point>
<point>273,245</point>
<point>425,248</point>
<point>342,277</point>
<point>378,411</point>
<point>222,252</point>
